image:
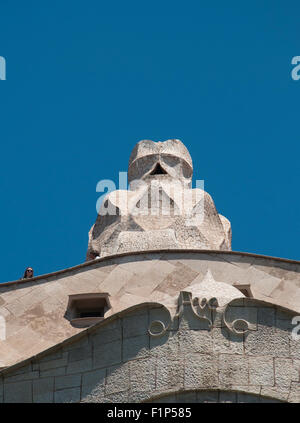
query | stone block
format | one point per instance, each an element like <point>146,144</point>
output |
<point>241,261</point>
<point>249,389</point>
<point>16,308</point>
<point>107,354</point>
<point>82,342</point>
<point>236,343</point>
<point>67,395</point>
<point>59,371</point>
<point>225,341</point>
<point>295,348</point>
<point>115,280</point>
<point>126,300</point>
<point>220,337</point>
<point>266,316</point>
<point>37,295</point>
<point>117,379</point>
<point>178,279</point>
<point>201,371</point>
<point>142,375</point>
<point>283,325</point>
<point>83,284</point>
<point>24,369</point>
<point>233,370</point>
<point>93,384</point>
<point>22,376</point>
<point>191,341</point>
<point>143,284</point>
<point>285,372</point>
<point>135,326</point>
<point>18,392</point>
<point>136,347</point>
<point>70,381</point>
<point>197,263</point>
<point>169,374</point>
<point>277,392</point>
<point>283,315</point>
<point>52,364</point>
<point>52,356</point>
<point>261,371</point>
<point>24,341</point>
<point>106,266</point>
<point>43,390</point>
<point>118,397</point>
<point>80,354</point>
<point>109,333</point>
<point>261,282</point>
<point>137,264</point>
<point>80,366</point>
<point>294,395</point>
<point>296,372</point>
<point>288,295</point>
<point>166,345</point>
<point>267,341</point>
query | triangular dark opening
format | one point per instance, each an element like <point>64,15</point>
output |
<point>158,170</point>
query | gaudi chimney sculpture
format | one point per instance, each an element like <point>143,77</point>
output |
<point>160,210</point>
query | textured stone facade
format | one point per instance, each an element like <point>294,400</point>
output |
<point>119,361</point>
<point>167,314</point>
<point>35,309</point>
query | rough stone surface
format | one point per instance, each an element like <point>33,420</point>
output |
<point>136,279</point>
<point>184,365</point>
<point>18,392</point>
<point>43,390</point>
<point>178,324</point>
<point>160,210</point>
<point>67,395</point>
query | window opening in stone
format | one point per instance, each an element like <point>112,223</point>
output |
<point>86,309</point>
<point>99,313</point>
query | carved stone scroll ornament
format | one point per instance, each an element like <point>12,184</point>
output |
<point>237,326</point>
<point>158,328</point>
<point>203,309</point>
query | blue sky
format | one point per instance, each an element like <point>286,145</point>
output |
<point>87,80</point>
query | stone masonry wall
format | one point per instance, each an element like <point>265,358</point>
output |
<point>117,360</point>
<point>34,309</point>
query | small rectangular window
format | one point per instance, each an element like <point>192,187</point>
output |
<point>86,309</point>
<point>99,313</point>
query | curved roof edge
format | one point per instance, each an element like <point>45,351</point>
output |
<point>137,253</point>
<point>108,320</point>
<point>77,336</point>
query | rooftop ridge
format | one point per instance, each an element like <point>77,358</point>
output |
<point>147,252</point>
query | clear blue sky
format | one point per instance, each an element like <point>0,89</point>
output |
<point>86,80</point>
